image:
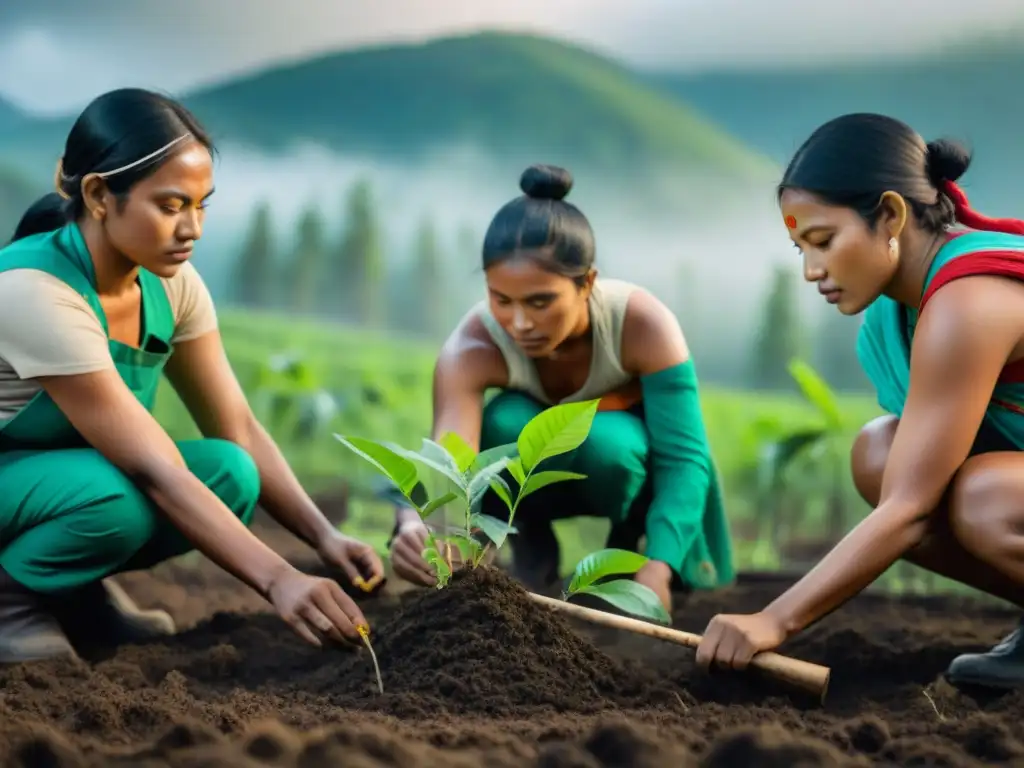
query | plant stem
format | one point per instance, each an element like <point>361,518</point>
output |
<point>483,553</point>
<point>519,496</point>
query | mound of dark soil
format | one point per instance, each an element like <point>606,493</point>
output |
<point>481,646</point>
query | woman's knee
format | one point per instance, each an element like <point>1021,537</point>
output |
<point>986,504</point>
<point>869,455</point>
<point>616,450</point>
<point>228,470</point>
<point>111,512</point>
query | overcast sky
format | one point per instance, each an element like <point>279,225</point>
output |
<point>57,54</point>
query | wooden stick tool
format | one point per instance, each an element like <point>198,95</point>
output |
<point>804,675</point>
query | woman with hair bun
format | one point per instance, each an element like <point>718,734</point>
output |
<point>872,208</point>
<point>97,301</point>
<point>551,331</point>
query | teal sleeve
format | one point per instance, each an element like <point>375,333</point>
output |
<point>680,463</point>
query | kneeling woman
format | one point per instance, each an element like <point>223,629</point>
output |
<point>552,332</point>
<point>872,207</point>
<point>97,301</point>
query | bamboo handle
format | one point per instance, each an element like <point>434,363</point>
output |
<point>801,674</point>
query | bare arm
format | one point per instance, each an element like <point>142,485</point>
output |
<point>111,419</point>
<point>202,376</point>
<point>963,340</point>
<point>651,337</point>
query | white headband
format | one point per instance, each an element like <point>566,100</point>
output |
<point>141,160</point>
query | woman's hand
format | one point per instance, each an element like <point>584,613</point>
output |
<point>657,576</point>
<point>315,607</point>
<point>407,554</point>
<point>356,558</point>
<point>732,640</point>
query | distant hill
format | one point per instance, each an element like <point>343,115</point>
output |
<point>969,92</point>
<point>518,98</point>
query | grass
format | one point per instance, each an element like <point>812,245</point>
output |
<point>383,386</point>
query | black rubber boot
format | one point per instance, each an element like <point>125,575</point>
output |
<point>28,631</point>
<point>1001,667</point>
<point>102,613</point>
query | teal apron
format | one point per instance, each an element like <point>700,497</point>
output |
<point>68,516</point>
<point>41,425</point>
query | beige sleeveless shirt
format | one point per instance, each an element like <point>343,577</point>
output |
<point>607,305</point>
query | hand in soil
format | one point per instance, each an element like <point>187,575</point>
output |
<point>357,559</point>
<point>407,554</point>
<point>316,607</point>
<point>732,640</point>
<point>657,576</point>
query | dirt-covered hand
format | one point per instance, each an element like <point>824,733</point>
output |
<point>356,558</point>
<point>732,640</point>
<point>407,554</point>
<point>315,607</point>
<point>657,576</point>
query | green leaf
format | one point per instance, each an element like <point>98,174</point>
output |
<point>554,431</point>
<point>817,392</point>
<point>461,452</point>
<point>494,529</point>
<point>604,562</point>
<point>515,468</point>
<point>436,452</point>
<point>500,487</point>
<point>482,480</point>
<point>434,504</point>
<point>491,455</point>
<point>436,559</point>
<point>434,457</point>
<point>396,467</point>
<point>539,480</point>
<point>631,597</point>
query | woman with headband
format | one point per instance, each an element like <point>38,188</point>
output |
<point>551,331</point>
<point>872,208</point>
<point>97,300</point>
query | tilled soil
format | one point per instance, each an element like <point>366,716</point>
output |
<point>479,675</point>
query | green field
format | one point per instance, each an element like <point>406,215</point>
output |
<point>383,385</point>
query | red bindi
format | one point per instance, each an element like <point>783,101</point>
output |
<point>791,222</point>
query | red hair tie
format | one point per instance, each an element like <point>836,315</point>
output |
<point>971,218</point>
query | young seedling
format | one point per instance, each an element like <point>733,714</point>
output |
<point>625,594</point>
<point>364,633</point>
<point>555,431</point>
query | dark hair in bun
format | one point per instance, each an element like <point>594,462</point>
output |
<point>545,182</point>
<point>540,225</point>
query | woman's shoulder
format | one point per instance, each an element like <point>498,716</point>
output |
<point>472,349</point>
<point>473,336</point>
<point>38,290</point>
<point>191,303</point>
<point>651,334</point>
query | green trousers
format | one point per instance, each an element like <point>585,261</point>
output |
<point>70,517</point>
<point>614,457</point>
